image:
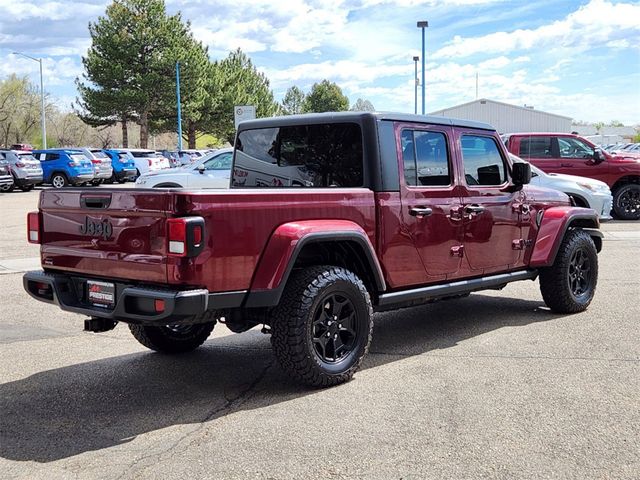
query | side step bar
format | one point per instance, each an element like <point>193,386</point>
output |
<point>433,292</point>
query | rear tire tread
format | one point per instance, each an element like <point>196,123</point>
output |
<point>155,337</point>
<point>289,328</point>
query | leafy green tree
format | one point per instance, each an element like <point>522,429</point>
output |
<point>20,111</point>
<point>293,101</point>
<point>363,105</point>
<point>616,123</point>
<point>236,81</point>
<point>129,68</point>
<point>326,96</point>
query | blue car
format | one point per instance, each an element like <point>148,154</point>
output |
<point>64,166</point>
<point>124,167</point>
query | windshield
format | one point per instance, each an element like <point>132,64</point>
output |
<point>26,156</point>
<point>78,157</point>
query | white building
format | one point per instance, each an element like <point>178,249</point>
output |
<point>506,118</point>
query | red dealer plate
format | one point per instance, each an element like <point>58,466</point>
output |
<point>101,294</point>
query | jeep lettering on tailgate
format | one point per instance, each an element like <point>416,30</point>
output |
<point>101,228</point>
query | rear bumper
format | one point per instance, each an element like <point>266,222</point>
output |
<point>125,174</point>
<point>6,180</point>
<point>133,304</point>
<point>81,178</point>
<point>29,180</point>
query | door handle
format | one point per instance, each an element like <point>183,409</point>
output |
<point>420,211</point>
<point>474,209</point>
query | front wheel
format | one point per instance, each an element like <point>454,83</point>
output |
<point>322,327</point>
<point>568,286</point>
<point>172,338</point>
<point>626,202</point>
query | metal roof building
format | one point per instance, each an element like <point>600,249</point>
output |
<point>507,118</point>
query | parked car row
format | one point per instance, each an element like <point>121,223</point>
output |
<point>61,167</point>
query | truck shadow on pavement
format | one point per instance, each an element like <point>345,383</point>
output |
<point>63,412</point>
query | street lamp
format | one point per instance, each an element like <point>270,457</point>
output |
<point>423,24</point>
<point>44,122</point>
<point>416,82</point>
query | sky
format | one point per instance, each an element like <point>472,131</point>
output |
<point>575,58</point>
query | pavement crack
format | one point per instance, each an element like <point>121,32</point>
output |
<point>230,403</point>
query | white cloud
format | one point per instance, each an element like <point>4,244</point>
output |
<point>596,23</point>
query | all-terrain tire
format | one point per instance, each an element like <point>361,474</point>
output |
<point>568,286</point>
<point>175,338</point>
<point>626,202</point>
<point>322,328</point>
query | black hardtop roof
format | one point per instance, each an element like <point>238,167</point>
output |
<point>357,117</point>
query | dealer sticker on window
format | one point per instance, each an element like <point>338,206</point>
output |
<point>101,294</point>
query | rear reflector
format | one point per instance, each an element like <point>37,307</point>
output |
<point>33,227</point>
<point>158,305</point>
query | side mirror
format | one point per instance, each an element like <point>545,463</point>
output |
<point>521,173</point>
<point>201,169</point>
<point>598,156</point>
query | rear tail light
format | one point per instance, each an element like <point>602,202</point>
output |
<point>20,165</point>
<point>33,227</point>
<point>96,161</point>
<point>74,164</point>
<point>150,161</point>
<point>185,236</point>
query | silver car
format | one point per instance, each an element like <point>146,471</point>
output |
<point>584,192</point>
<point>101,162</point>
<point>6,179</point>
<point>26,170</point>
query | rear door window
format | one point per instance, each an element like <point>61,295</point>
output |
<point>483,164</point>
<point>322,155</point>
<point>535,147</point>
<point>425,158</point>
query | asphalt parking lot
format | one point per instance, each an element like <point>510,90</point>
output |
<point>490,386</point>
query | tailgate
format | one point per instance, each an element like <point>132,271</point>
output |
<point>119,233</point>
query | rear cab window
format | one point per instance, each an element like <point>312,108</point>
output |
<point>321,155</point>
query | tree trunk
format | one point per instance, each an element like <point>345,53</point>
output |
<point>191,135</point>
<point>125,132</point>
<point>144,129</point>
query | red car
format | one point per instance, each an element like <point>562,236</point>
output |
<point>370,212</point>
<point>574,155</point>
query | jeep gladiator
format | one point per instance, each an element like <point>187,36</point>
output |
<point>327,219</point>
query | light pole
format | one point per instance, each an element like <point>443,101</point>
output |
<point>44,122</point>
<point>423,24</point>
<point>179,109</point>
<point>415,81</point>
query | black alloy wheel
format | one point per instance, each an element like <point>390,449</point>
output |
<point>626,202</point>
<point>335,328</point>
<point>580,275</point>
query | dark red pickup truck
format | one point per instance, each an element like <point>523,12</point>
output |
<point>328,218</point>
<point>573,155</point>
